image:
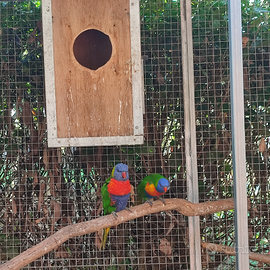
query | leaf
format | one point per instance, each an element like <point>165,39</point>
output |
<point>150,150</point>
<point>246,79</point>
<point>12,252</point>
<point>165,247</point>
<point>186,238</point>
<point>56,212</point>
<point>98,238</point>
<point>27,116</point>
<point>171,226</point>
<point>41,194</point>
<point>52,184</point>
<point>160,78</point>
<point>262,145</point>
<point>34,141</point>
<point>250,232</point>
<point>32,38</point>
<point>56,209</point>
<point>41,131</point>
<point>100,208</point>
<point>58,182</point>
<point>45,159</point>
<point>61,253</point>
<point>256,21</point>
<point>35,182</point>
<point>59,156</point>
<point>39,25</point>
<point>244,42</point>
<point>39,220</point>
<point>14,205</point>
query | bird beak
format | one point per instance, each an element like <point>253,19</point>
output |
<point>165,189</point>
<point>124,175</point>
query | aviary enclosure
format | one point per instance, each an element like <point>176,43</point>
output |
<point>43,189</point>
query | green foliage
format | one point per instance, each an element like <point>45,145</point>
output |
<point>10,247</point>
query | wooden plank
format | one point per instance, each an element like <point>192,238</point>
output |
<point>190,132</point>
<point>92,103</point>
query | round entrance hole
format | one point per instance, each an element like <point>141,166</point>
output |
<point>92,49</point>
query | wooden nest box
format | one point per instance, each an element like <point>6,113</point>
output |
<point>93,72</point>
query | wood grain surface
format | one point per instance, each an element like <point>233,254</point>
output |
<point>92,103</point>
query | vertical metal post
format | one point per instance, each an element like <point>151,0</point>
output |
<point>238,135</point>
<point>190,132</point>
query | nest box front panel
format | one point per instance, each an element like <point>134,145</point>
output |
<point>93,66</point>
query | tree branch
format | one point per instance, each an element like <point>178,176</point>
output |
<point>264,258</point>
<point>182,206</point>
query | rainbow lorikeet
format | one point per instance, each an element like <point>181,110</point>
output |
<point>115,193</point>
<point>153,186</point>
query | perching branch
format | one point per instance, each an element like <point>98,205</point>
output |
<point>264,258</point>
<point>182,206</point>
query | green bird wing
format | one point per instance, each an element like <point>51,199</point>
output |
<point>151,179</point>
<point>106,199</point>
<point>141,189</point>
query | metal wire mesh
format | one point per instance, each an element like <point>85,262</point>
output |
<point>256,82</point>
<point>211,67</point>
<point>212,95</point>
<point>45,189</point>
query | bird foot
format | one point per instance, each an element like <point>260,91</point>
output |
<point>114,214</point>
<point>128,209</point>
<point>150,202</point>
<point>162,200</point>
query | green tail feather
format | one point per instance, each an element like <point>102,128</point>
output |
<point>104,238</point>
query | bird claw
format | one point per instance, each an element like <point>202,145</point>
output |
<point>150,202</point>
<point>128,209</point>
<point>162,200</point>
<point>114,214</point>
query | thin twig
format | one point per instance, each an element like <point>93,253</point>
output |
<point>264,258</point>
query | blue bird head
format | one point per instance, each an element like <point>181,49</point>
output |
<point>163,185</point>
<point>120,172</point>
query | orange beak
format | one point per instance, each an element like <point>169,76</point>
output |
<point>165,189</point>
<point>124,174</point>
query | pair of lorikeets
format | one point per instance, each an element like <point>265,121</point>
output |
<point>116,191</point>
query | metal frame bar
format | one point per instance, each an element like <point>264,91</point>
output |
<point>137,85</point>
<point>238,135</point>
<point>190,132</point>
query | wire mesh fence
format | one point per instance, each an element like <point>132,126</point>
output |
<point>212,98</point>
<point>45,189</point>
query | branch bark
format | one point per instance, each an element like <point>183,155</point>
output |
<point>264,258</point>
<point>182,206</point>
